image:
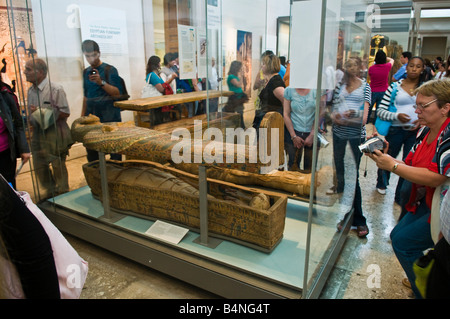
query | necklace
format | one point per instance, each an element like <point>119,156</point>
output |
<point>409,87</point>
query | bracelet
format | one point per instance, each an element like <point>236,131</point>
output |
<point>395,167</point>
<point>293,137</point>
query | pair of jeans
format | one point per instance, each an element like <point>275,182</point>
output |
<point>306,151</point>
<point>192,109</point>
<point>410,237</point>
<point>397,138</point>
<point>339,148</point>
<point>376,99</point>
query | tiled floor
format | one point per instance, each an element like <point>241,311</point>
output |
<point>366,269</point>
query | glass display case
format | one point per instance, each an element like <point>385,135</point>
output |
<point>259,174</point>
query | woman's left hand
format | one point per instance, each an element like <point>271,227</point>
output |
<point>309,140</point>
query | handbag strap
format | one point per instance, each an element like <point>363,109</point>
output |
<point>149,78</point>
<point>392,107</point>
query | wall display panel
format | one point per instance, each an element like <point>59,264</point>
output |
<point>210,37</point>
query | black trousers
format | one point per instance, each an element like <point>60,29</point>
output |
<point>28,246</point>
<point>8,167</point>
<point>438,286</point>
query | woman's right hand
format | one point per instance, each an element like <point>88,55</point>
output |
<point>298,142</point>
<point>404,118</point>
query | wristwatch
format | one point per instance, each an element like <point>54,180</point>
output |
<point>103,82</point>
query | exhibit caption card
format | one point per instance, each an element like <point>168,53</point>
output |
<point>167,232</point>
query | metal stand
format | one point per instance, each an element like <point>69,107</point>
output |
<point>204,239</point>
<point>108,215</point>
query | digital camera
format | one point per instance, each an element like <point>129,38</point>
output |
<point>372,144</point>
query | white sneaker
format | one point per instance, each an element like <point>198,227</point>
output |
<point>381,191</point>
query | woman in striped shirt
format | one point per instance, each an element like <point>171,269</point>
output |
<point>403,130</point>
<point>351,103</point>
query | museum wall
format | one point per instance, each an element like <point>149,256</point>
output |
<point>58,30</point>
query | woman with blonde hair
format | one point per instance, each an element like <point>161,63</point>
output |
<point>272,94</point>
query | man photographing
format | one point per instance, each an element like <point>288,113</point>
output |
<point>101,85</point>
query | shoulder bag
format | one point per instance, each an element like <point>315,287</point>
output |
<point>383,126</point>
<point>149,90</point>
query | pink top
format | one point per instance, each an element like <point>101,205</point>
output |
<point>4,142</point>
<point>379,77</point>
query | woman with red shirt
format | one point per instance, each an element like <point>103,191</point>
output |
<point>379,80</point>
<point>426,167</point>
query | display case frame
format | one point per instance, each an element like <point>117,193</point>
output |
<point>200,269</point>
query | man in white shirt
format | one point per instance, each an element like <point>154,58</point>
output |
<point>51,139</point>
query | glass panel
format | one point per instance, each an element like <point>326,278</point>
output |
<point>227,54</point>
<point>343,109</point>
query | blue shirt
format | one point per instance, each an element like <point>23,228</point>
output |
<point>401,73</point>
<point>99,102</point>
<point>303,109</point>
<point>282,71</point>
<point>154,79</point>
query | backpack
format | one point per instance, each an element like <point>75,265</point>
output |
<point>124,96</point>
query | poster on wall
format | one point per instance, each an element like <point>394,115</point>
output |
<point>244,54</point>
<point>187,51</point>
<point>201,52</point>
<point>107,27</point>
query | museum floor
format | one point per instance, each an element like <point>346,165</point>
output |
<point>112,276</point>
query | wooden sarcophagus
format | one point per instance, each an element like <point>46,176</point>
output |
<point>151,190</point>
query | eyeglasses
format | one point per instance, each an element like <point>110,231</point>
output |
<point>423,106</point>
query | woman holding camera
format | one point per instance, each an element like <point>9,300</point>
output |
<point>427,166</point>
<point>403,130</point>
